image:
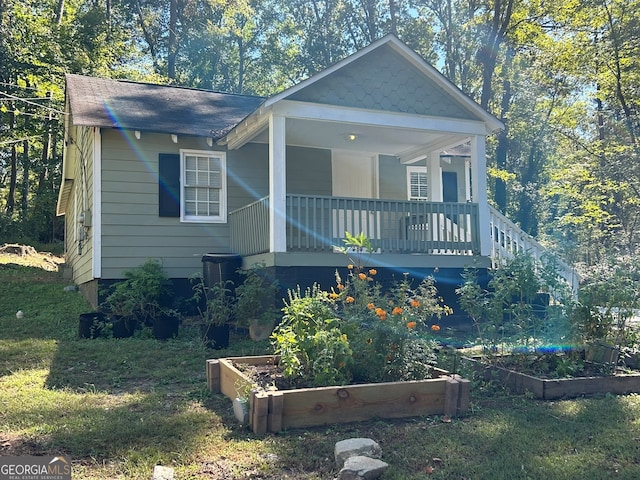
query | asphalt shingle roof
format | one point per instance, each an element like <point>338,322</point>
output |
<point>100,102</point>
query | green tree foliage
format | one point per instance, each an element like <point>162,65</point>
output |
<point>563,77</point>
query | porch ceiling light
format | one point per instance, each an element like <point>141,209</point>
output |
<point>351,137</point>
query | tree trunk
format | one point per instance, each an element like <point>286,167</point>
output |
<point>392,15</point>
<point>26,169</point>
<point>488,53</point>
<point>240,64</point>
<point>59,12</point>
<point>171,55</point>
<point>502,149</point>
<point>147,37</point>
<point>13,174</point>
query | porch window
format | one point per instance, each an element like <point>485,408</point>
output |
<point>417,183</point>
<point>204,186</point>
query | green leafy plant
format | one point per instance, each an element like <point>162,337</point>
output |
<point>255,297</point>
<point>214,302</point>
<point>143,295</point>
<point>522,305</point>
<point>309,340</point>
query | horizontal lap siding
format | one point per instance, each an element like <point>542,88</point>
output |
<point>132,230</point>
<point>81,199</point>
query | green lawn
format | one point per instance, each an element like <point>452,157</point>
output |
<point>119,407</point>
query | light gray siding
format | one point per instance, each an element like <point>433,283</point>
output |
<point>308,171</point>
<point>132,230</point>
<point>393,178</point>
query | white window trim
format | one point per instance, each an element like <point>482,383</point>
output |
<point>222,218</point>
<point>413,169</point>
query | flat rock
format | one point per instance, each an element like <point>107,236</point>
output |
<point>162,473</point>
<point>362,468</point>
<point>356,447</point>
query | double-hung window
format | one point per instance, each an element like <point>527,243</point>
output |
<point>203,186</point>
<point>417,183</point>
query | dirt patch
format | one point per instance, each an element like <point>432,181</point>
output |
<point>28,256</point>
<point>268,376</point>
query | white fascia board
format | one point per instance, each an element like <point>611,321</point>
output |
<point>60,207</point>
<point>246,130</point>
<point>328,113</point>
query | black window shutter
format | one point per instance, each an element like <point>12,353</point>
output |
<point>169,185</point>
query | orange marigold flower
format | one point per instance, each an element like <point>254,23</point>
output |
<point>350,267</point>
<point>411,325</point>
<point>397,311</point>
<point>373,271</point>
<point>381,313</point>
<point>370,306</point>
<point>362,276</point>
<point>350,299</point>
<point>414,303</point>
<point>435,328</point>
<point>340,286</point>
<point>333,295</point>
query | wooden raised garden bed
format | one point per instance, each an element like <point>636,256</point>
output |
<point>272,411</point>
<point>550,389</point>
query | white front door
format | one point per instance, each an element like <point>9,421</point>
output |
<point>354,175</point>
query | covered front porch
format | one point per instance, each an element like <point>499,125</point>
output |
<point>385,118</point>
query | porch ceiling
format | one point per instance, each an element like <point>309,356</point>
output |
<point>401,142</point>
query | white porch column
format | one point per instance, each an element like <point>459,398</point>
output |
<point>434,183</point>
<point>479,191</point>
<point>277,184</point>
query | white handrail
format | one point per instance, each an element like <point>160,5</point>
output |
<point>508,239</point>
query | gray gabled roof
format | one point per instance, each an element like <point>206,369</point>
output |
<point>99,102</point>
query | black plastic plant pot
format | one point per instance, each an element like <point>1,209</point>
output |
<point>216,336</point>
<point>165,327</point>
<point>90,324</point>
<point>123,327</point>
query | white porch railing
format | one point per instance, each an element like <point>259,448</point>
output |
<point>507,239</point>
<point>318,224</point>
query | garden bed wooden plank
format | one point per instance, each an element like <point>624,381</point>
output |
<point>353,403</point>
<point>552,389</point>
<point>307,407</point>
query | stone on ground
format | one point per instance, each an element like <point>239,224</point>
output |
<point>356,447</point>
<point>362,468</point>
<point>162,473</point>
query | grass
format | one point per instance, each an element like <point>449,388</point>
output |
<point>119,407</point>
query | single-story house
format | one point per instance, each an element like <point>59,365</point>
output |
<point>379,143</point>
